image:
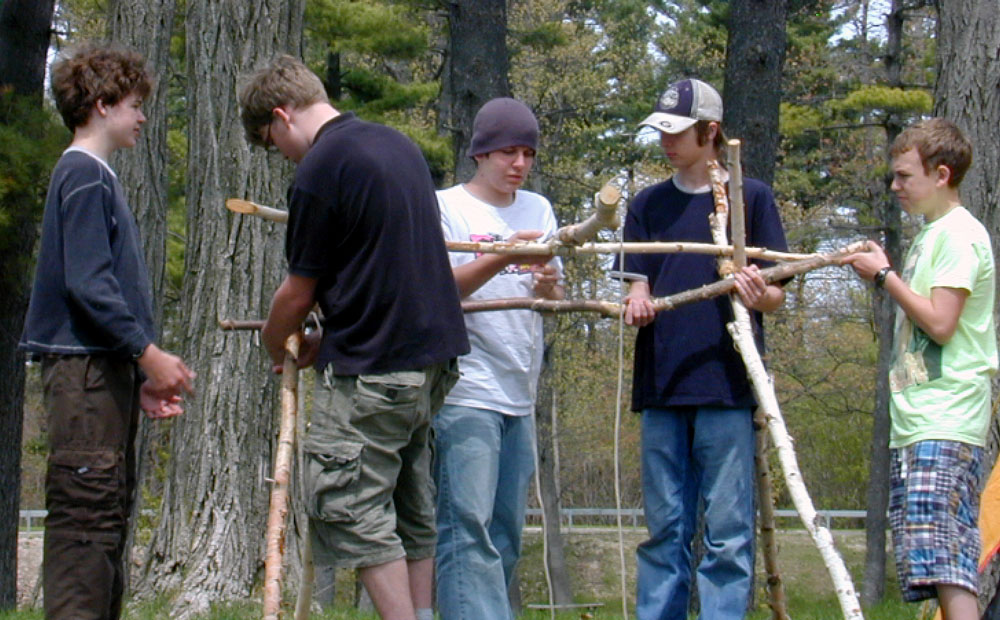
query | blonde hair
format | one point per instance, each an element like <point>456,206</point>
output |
<point>97,72</point>
<point>285,81</point>
<point>939,142</point>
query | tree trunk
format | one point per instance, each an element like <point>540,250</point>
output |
<point>755,56</point>
<point>877,498</point>
<point>147,27</point>
<point>548,484</point>
<point>209,546</point>
<point>25,26</point>
<point>477,69</point>
<point>968,93</point>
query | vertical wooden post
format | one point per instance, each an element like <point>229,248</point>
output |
<point>737,215</point>
<point>274,548</point>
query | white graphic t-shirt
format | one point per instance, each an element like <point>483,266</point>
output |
<point>501,371</point>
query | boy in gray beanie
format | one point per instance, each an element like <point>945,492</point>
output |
<point>485,432</point>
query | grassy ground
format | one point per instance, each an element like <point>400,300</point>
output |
<point>594,560</point>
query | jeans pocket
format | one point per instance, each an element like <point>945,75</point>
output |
<point>332,471</point>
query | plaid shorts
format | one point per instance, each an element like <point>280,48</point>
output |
<point>933,513</point>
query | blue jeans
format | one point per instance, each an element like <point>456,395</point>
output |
<point>482,468</point>
<point>690,453</point>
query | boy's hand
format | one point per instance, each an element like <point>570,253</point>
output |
<point>869,263</point>
<point>527,259</point>
<point>157,408</point>
<point>639,306</point>
<point>308,351</point>
<point>546,278</point>
<point>750,286</point>
<point>166,374</point>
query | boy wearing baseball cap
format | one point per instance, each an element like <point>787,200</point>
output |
<point>689,382</point>
<point>485,432</point>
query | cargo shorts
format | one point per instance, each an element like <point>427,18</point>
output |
<point>368,487</point>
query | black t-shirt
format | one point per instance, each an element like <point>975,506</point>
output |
<point>363,220</point>
<point>686,357</point>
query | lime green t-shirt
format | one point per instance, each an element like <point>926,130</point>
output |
<point>943,392</point>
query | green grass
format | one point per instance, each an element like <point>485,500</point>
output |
<point>594,562</point>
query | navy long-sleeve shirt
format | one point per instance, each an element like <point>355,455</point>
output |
<point>91,292</point>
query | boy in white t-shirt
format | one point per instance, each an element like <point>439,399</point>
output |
<point>485,432</point>
<point>944,355</point>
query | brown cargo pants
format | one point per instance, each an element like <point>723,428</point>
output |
<point>92,405</point>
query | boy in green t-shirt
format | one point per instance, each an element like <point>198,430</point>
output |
<point>944,355</point>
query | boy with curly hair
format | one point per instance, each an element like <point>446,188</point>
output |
<point>90,320</point>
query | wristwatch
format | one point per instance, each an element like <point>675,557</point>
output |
<point>880,277</point>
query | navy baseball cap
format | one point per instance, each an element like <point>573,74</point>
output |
<point>683,104</point>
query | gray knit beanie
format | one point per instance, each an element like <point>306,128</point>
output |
<point>500,123</point>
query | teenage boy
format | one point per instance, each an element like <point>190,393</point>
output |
<point>689,382</point>
<point>944,355</point>
<point>485,433</point>
<point>90,320</point>
<point>364,241</point>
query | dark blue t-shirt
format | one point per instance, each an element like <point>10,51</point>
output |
<point>686,357</point>
<point>363,220</point>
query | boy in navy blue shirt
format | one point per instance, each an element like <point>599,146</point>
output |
<point>90,320</point>
<point>689,382</point>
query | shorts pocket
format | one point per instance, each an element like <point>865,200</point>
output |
<point>332,471</point>
<point>446,380</point>
<point>394,391</point>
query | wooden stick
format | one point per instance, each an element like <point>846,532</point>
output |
<point>274,548</point>
<point>765,504</point>
<point>737,215</point>
<point>238,205</point>
<point>606,216</point>
<point>631,247</point>
<point>741,330</point>
<point>612,309</point>
<point>246,207</point>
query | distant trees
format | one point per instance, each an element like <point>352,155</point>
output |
<point>27,151</point>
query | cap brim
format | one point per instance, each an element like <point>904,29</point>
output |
<point>667,123</point>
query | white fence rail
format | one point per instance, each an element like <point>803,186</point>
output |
<point>571,517</point>
<point>578,517</point>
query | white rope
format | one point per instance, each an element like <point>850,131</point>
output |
<point>538,487</point>
<point>618,426</point>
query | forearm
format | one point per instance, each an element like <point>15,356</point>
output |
<point>937,316</point>
<point>289,308</point>
<point>469,277</point>
<point>771,300</point>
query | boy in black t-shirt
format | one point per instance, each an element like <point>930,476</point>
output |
<point>689,382</point>
<point>364,241</point>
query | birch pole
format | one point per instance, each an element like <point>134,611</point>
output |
<point>274,547</point>
<point>741,331</point>
<point>765,500</point>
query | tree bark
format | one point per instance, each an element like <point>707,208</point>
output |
<point>968,93</point>
<point>755,56</point>
<point>25,27</point>
<point>877,497</point>
<point>208,546</point>
<point>478,65</point>
<point>147,27</point>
